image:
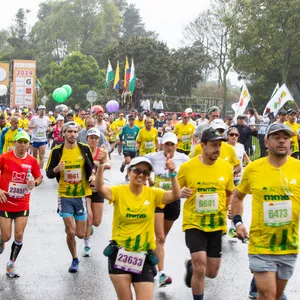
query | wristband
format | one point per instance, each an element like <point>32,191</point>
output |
<point>237,219</point>
<point>172,175</point>
<point>237,224</point>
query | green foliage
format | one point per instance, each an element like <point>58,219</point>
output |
<point>79,71</point>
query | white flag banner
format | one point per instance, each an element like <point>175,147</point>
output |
<point>243,102</point>
<point>267,108</point>
<point>234,106</point>
<point>282,96</point>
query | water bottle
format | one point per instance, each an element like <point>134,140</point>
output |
<point>29,177</point>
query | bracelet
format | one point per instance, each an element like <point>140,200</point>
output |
<point>238,224</point>
<point>172,175</point>
<point>237,219</point>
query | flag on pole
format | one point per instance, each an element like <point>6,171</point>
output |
<point>132,77</point>
<point>243,102</point>
<point>117,78</point>
<point>109,74</point>
<point>278,100</point>
<point>267,109</point>
<point>126,75</point>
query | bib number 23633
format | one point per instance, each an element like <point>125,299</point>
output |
<point>277,213</point>
<point>207,203</point>
<point>130,261</point>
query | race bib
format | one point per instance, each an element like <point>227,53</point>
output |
<point>130,261</point>
<point>277,213</point>
<point>72,175</point>
<point>165,185</point>
<point>186,138</point>
<point>17,190</point>
<point>41,134</point>
<point>207,203</point>
<point>149,145</point>
<point>130,143</point>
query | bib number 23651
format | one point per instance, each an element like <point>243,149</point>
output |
<point>130,261</point>
<point>207,203</point>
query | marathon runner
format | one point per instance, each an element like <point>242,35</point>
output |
<point>20,173</point>
<point>71,164</point>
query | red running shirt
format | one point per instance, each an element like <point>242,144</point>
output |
<point>13,180</point>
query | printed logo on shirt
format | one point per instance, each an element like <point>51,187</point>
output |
<point>16,176</point>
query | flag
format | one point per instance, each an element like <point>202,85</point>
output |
<point>267,108</point>
<point>278,100</point>
<point>234,106</point>
<point>132,77</point>
<point>243,102</point>
<point>126,75</point>
<point>109,74</point>
<point>117,78</point>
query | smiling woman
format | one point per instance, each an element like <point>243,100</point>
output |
<point>130,255</point>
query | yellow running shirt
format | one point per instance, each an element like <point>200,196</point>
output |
<point>72,182</point>
<point>133,221</point>
<point>23,123</point>
<point>9,143</point>
<point>206,209</point>
<point>294,140</point>
<point>184,134</point>
<point>120,124</point>
<point>227,152</point>
<point>148,140</point>
<point>77,120</point>
<point>114,128</point>
<point>275,206</point>
<point>139,124</point>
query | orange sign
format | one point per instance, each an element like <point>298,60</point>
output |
<point>4,74</point>
<point>23,83</point>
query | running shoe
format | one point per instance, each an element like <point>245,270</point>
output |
<point>11,271</point>
<point>283,297</point>
<point>188,273</point>
<point>122,168</point>
<point>74,266</point>
<point>87,251</point>
<point>164,280</point>
<point>2,246</point>
<point>253,294</point>
<point>232,233</point>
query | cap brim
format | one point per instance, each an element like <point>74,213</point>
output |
<point>289,132</point>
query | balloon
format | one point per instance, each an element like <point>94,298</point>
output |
<point>112,106</point>
<point>60,95</point>
<point>68,89</point>
<point>96,109</point>
<point>3,89</point>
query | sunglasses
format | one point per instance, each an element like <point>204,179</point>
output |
<point>234,134</point>
<point>139,171</point>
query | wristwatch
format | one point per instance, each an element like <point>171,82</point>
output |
<point>35,184</point>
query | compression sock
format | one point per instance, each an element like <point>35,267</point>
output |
<point>15,250</point>
<point>198,297</point>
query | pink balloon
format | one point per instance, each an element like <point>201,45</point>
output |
<point>112,106</point>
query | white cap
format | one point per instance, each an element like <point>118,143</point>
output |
<point>218,124</point>
<point>170,137</point>
<point>140,159</point>
<point>42,107</point>
<point>60,118</point>
<point>161,115</point>
<point>188,110</point>
<point>50,113</point>
<point>93,131</point>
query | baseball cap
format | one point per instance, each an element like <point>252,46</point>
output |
<point>241,117</point>
<point>131,117</point>
<point>70,125</point>
<point>188,110</point>
<point>93,131</point>
<point>213,108</point>
<point>22,135</point>
<point>42,107</point>
<point>282,112</point>
<point>276,127</point>
<point>60,118</point>
<point>169,137</point>
<point>161,115</point>
<point>211,134</point>
<point>218,124</point>
<point>138,160</point>
<point>291,111</point>
<point>50,113</point>
<point>70,113</point>
<point>185,114</point>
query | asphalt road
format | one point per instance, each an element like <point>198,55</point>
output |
<point>44,260</point>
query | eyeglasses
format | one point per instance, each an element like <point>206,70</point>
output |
<point>139,171</point>
<point>234,134</point>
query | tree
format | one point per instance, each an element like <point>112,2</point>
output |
<point>81,72</point>
<point>266,38</point>
<point>210,29</point>
<point>186,69</point>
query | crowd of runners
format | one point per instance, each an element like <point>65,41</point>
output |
<point>196,159</point>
